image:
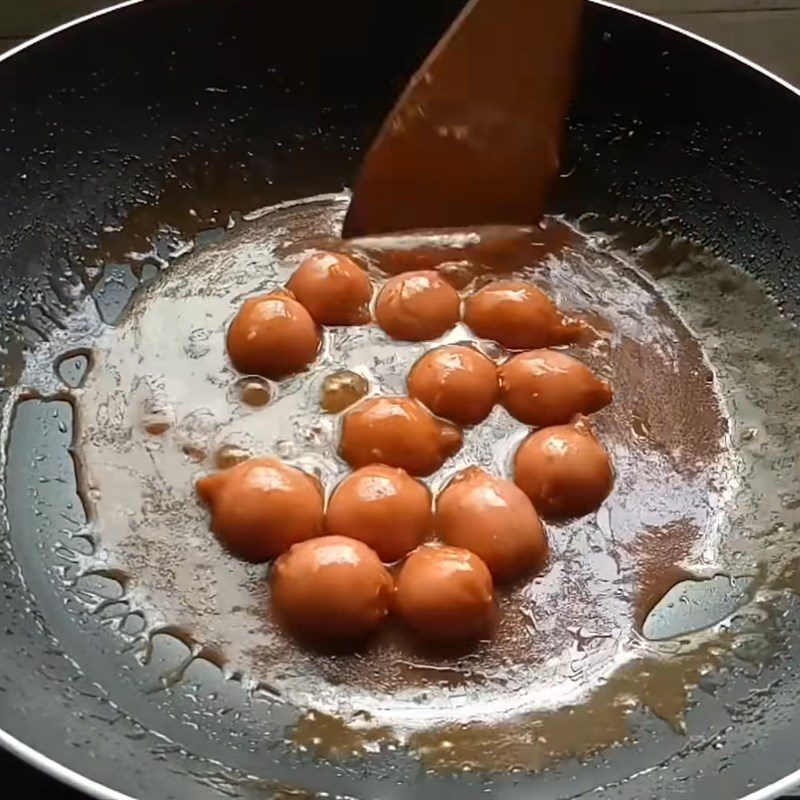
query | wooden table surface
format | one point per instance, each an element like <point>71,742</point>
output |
<point>765,31</point>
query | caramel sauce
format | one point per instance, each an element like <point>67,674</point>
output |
<point>567,661</point>
<point>341,390</point>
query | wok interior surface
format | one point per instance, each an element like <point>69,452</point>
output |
<point>221,108</point>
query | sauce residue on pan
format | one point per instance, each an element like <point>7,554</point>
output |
<point>568,646</point>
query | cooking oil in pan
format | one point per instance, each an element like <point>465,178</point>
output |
<point>690,432</point>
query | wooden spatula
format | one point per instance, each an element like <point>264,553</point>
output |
<point>475,137</point>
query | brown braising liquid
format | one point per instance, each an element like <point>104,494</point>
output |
<point>562,636</point>
<point>569,664</point>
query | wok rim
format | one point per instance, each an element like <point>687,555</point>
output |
<point>78,781</point>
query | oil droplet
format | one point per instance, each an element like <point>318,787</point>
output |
<point>640,426</point>
<point>254,391</point>
<point>459,274</point>
<point>156,423</point>
<point>341,389</point>
<point>229,455</point>
<point>749,434</point>
<point>194,452</point>
<point>492,350</point>
<point>157,413</point>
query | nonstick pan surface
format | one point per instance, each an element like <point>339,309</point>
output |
<point>133,118</point>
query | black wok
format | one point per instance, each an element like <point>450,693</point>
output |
<point>256,102</point>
